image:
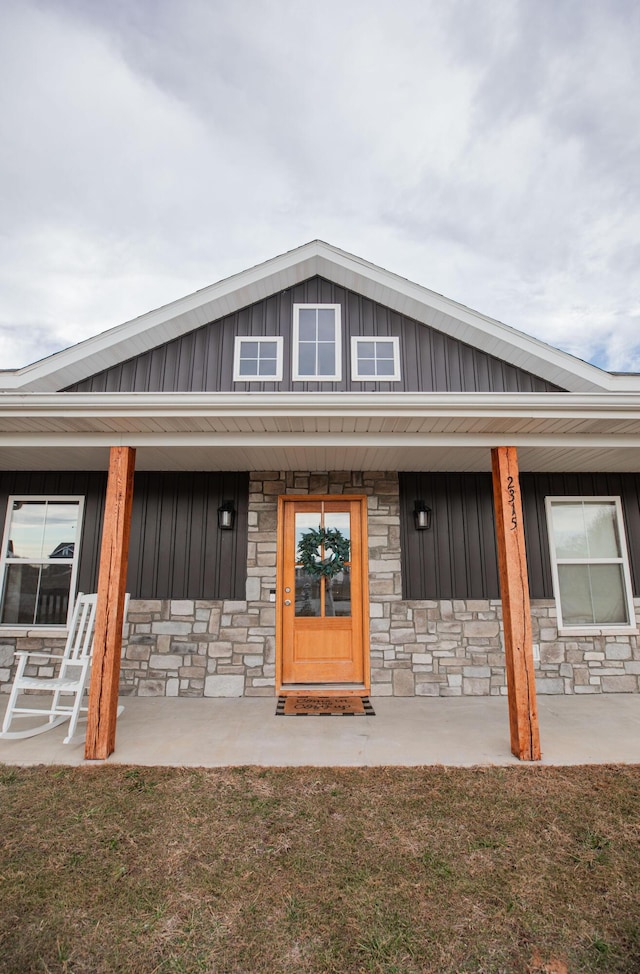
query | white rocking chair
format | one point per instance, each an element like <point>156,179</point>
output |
<point>71,681</point>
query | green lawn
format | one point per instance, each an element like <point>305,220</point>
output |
<point>527,869</point>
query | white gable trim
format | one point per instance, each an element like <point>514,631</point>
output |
<point>156,327</point>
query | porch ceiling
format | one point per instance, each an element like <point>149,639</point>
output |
<point>319,431</point>
<point>337,456</point>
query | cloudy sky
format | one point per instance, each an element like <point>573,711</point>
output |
<point>488,149</point>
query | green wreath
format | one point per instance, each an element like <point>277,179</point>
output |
<point>332,541</point>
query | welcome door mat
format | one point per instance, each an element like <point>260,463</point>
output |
<point>301,706</point>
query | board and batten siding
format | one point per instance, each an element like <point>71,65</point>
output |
<point>457,559</point>
<point>202,360</point>
<point>176,549</point>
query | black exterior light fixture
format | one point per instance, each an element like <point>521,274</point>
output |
<point>422,516</point>
<point>226,516</point>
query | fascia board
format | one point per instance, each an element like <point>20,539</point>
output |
<point>317,257</point>
<point>551,405</point>
<point>178,440</point>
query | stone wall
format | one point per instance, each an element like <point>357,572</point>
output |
<point>426,648</point>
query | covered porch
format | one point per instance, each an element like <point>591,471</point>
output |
<point>187,432</point>
<point>462,732</point>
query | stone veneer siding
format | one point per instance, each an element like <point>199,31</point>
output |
<point>418,648</point>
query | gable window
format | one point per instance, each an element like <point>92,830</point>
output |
<point>257,358</point>
<point>316,342</point>
<point>40,560</point>
<point>589,562</point>
<point>375,358</point>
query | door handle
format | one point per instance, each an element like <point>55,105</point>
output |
<point>287,601</point>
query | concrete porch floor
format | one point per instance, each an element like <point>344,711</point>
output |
<point>411,731</point>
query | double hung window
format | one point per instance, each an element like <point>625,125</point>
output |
<point>316,342</point>
<point>589,562</point>
<point>39,560</point>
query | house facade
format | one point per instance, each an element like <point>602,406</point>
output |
<point>313,502</point>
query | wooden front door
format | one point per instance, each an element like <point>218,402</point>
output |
<point>322,623</point>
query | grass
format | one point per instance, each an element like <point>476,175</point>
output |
<point>391,871</point>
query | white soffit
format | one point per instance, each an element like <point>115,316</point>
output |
<point>156,327</point>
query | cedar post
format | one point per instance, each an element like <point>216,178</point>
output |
<point>516,608</point>
<point>112,582</point>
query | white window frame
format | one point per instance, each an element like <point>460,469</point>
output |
<point>591,628</point>
<point>5,560</point>
<point>237,351</point>
<point>376,339</point>
<point>337,375</point>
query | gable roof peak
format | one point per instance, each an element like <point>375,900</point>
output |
<point>314,258</point>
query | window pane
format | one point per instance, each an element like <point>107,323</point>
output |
<point>249,366</point>
<point>592,595</point>
<point>366,350</point>
<point>586,530</point>
<point>268,366</point>
<point>385,367</point>
<point>569,531</point>
<point>385,350</point>
<point>268,349</point>
<point>326,359</point>
<point>367,367</point>
<point>26,532</point>
<point>306,359</point>
<point>602,530</point>
<point>307,325</point>
<point>249,350</point>
<point>42,530</point>
<point>326,324</point>
<point>60,529</point>
<point>36,594</point>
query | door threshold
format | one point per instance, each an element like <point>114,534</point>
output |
<point>324,690</point>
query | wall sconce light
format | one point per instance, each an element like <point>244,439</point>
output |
<point>422,515</point>
<point>226,516</point>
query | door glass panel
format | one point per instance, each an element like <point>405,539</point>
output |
<point>308,594</point>
<point>340,521</point>
<point>338,595</point>
<point>306,521</point>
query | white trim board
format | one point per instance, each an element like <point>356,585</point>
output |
<point>315,258</point>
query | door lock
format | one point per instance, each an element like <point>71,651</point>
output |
<point>287,601</point>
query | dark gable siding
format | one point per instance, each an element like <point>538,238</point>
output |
<point>202,360</point>
<point>176,550</point>
<point>456,558</point>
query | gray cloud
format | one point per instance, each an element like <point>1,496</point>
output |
<point>488,149</point>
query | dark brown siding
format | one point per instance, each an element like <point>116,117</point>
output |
<point>176,549</point>
<point>456,558</point>
<point>202,360</point>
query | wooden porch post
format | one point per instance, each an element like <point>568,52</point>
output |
<point>112,581</point>
<point>516,608</point>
